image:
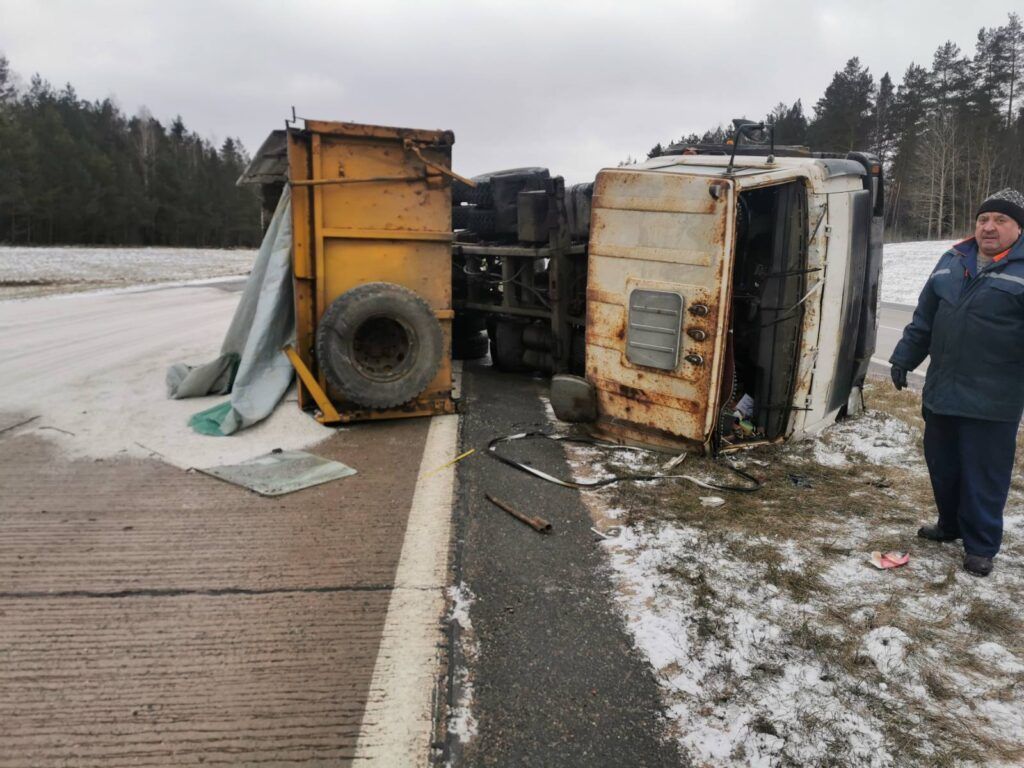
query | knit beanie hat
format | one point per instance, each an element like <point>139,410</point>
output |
<point>1007,201</point>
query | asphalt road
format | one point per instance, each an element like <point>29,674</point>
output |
<point>893,318</point>
<point>557,681</point>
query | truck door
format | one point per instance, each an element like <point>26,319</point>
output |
<point>659,274</point>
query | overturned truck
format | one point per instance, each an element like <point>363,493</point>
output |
<point>699,298</point>
<point>713,296</point>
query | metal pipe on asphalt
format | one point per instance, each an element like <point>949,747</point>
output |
<point>538,524</point>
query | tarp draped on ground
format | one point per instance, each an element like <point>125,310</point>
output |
<point>251,365</point>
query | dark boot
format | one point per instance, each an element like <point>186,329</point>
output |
<point>977,565</point>
<point>934,533</point>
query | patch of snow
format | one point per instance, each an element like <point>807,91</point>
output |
<point>887,647</point>
<point>906,267</point>
<point>828,457</point>
<point>634,461</point>
<point>873,437</point>
<point>999,657</point>
<point>462,723</point>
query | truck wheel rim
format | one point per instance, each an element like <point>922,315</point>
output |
<point>383,348</point>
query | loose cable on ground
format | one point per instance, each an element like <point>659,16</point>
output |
<point>492,450</point>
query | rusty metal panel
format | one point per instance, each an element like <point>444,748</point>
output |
<point>376,207</point>
<point>654,231</point>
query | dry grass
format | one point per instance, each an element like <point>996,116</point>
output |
<point>807,518</point>
<point>991,620</point>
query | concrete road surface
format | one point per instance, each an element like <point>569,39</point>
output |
<point>153,616</point>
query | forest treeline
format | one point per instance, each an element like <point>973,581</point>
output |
<point>80,172</point>
<point>948,135</point>
<point>75,171</point>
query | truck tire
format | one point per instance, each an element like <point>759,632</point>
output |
<point>478,195</point>
<point>480,220</point>
<point>482,194</point>
<point>379,345</point>
<point>470,347</point>
<point>474,218</point>
<point>469,337</point>
<point>460,216</point>
<point>507,347</point>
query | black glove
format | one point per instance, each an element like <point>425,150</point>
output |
<point>899,377</point>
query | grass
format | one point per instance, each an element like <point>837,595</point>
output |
<point>993,621</point>
<point>780,546</point>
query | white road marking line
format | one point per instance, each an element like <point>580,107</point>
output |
<point>890,328</point>
<point>399,717</point>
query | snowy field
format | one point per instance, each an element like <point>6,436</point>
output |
<point>38,271</point>
<point>28,272</point>
<point>906,266</point>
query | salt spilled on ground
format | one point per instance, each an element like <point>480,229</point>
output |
<point>91,368</point>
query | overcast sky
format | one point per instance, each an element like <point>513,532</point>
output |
<point>574,86</point>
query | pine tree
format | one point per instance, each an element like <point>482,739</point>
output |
<point>789,123</point>
<point>883,128</point>
<point>842,116</point>
<point>1015,47</point>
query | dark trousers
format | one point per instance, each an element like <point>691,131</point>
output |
<point>970,462</point>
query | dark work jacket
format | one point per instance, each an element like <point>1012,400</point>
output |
<point>973,329</point>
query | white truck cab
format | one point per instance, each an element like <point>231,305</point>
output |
<point>731,300</point>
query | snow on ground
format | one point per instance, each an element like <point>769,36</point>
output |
<point>91,367</point>
<point>32,271</point>
<point>462,722</point>
<point>876,438</point>
<point>774,640</point>
<point>36,271</point>
<point>906,266</point>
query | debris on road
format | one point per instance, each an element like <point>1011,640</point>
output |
<point>889,559</point>
<point>539,524</point>
<point>711,501</point>
<point>608,533</point>
<point>492,449</point>
<point>456,460</point>
<point>280,472</point>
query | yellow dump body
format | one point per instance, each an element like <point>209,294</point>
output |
<point>370,204</point>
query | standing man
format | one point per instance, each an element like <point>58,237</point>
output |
<point>970,320</point>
